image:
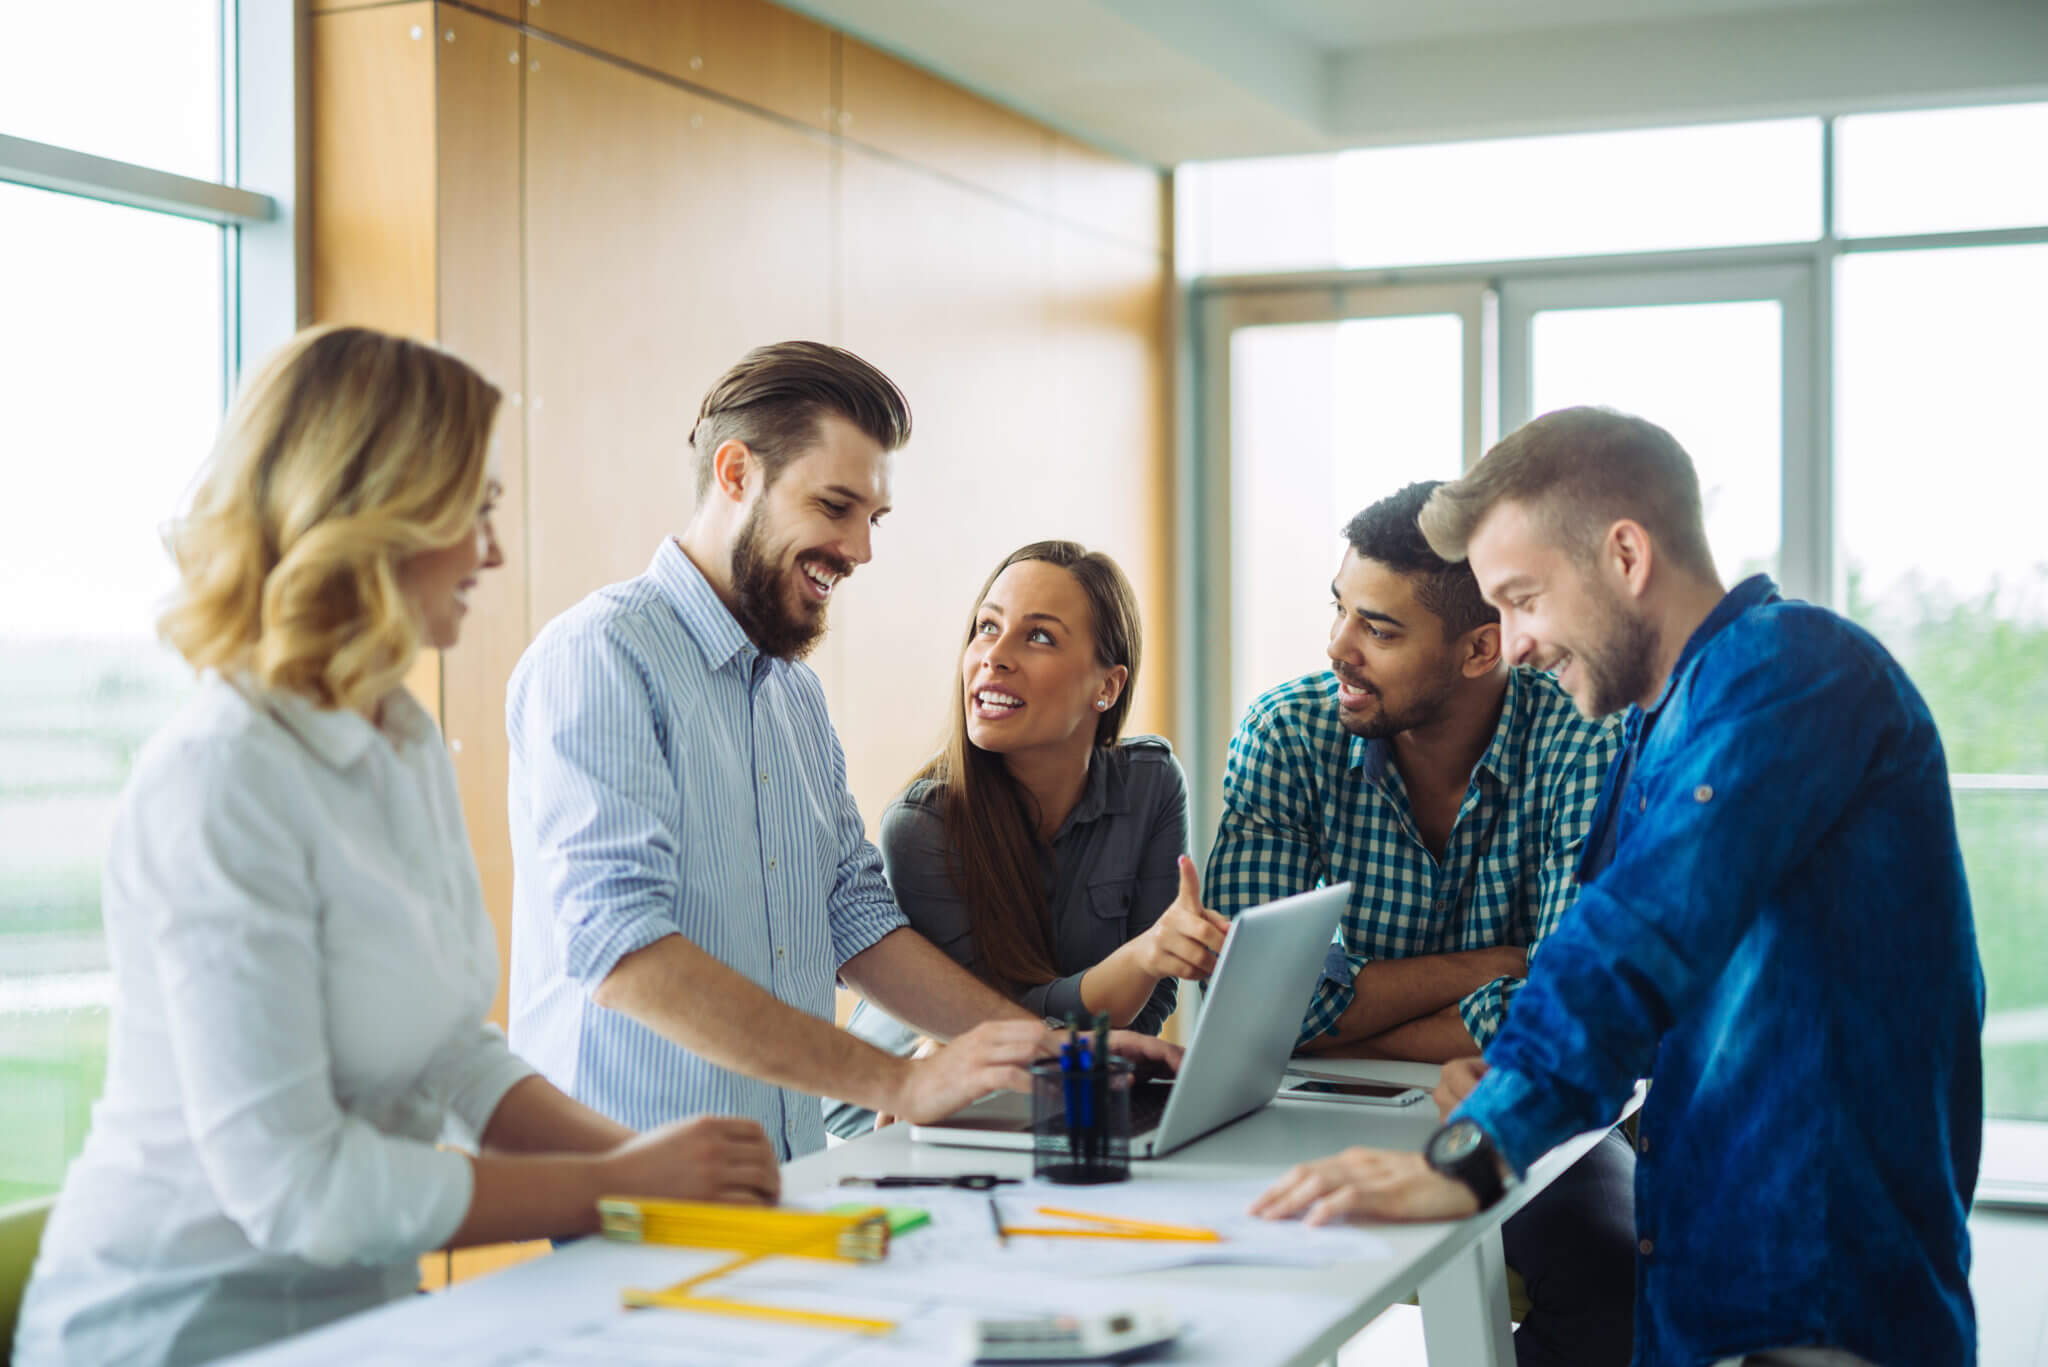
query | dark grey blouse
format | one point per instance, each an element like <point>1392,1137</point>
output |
<point>1112,871</point>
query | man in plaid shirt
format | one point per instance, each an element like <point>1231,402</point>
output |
<point>1453,792</point>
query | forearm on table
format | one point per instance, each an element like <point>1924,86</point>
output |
<point>1391,992</point>
<point>530,1197</point>
<point>1436,1038</point>
<point>676,989</point>
<point>912,979</point>
<point>536,1117</point>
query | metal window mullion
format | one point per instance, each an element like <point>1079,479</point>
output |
<point>1827,178</point>
<point>1688,259</point>
<point>69,172</point>
<point>1823,483</point>
<point>227,95</point>
<point>1469,272</point>
<point>1927,242</point>
<point>270,147</point>
<point>1998,783</point>
<point>1804,503</point>
<point>1209,614</point>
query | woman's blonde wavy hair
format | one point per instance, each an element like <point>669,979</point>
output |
<point>348,452</point>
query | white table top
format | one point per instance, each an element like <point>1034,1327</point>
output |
<point>1262,1144</point>
<point>527,1302</point>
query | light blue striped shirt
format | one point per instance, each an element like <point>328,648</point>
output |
<point>668,779</point>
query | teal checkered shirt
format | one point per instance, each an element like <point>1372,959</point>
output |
<point>1306,803</point>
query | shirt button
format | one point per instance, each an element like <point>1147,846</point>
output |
<point>771,866</point>
<point>1646,1248</point>
<point>1642,802</point>
<point>781,953</point>
<point>764,775</point>
<point>1642,1143</point>
<point>1703,793</point>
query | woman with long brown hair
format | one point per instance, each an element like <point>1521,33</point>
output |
<point>1041,849</point>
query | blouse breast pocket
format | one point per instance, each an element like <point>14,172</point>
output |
<point>1110,900</point>
<point>1086,937</point>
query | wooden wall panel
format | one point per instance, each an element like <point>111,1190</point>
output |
<point>911,114</point>
<point>1095,190</point>
<point>374,221</point>
<point>748,50</point>
<point>1107,334</point>
<point>944,288</point>
<point>481,307</point>
<point>373,168</point>
<point>666,234</point>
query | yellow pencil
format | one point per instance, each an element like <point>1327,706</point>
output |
<point>1121,1222</point>
<point>1198,1237</point>
<point>713,1305</point>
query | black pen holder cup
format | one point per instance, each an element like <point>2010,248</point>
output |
<point>1081,1121</point>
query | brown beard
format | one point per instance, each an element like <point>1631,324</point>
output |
<point>761,597</point>
<point>1618,673</point>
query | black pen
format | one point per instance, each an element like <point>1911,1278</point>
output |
<point>1100,1109</point>
<point>995,1216</point>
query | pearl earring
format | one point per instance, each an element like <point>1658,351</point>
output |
<point>1102,704</point>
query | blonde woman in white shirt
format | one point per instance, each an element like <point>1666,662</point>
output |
<point>298,936</point>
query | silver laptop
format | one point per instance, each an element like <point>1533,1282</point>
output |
<point>1250,1019</point>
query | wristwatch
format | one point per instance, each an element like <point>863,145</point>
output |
<point>1462,1151</point>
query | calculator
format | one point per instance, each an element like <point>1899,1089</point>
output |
<point>1116,1336</point>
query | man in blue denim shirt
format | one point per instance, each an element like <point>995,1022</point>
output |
<point>1773,927</point>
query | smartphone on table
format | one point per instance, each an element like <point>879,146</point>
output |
<point>1359,1092</point>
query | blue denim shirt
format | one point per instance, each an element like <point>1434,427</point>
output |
<point>1774,928</point>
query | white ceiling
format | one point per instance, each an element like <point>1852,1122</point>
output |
<point>1169,81</point>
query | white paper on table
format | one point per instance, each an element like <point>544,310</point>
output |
<point>962,1236</point>
<point>1218,1326</point>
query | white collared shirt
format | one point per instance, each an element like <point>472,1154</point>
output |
<point>302,962</point>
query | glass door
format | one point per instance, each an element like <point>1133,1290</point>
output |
<point>1318,403</point>
<point>1722,360</point>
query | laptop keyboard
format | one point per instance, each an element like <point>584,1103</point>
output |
<point>1148,1105</point>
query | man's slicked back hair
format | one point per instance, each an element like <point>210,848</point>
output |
<point>1387,533</point>
<point>774,399</point>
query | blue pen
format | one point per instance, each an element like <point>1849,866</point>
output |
<point>1087,1091</point>
<point>1070,1056</point>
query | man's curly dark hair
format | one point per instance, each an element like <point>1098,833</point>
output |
<point>1387,533</point>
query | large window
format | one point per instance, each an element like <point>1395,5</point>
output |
<point>138,81</point>
<point>1853,365</point>
<point>1944,473</point>
<point>1513,198</point>
<point>110,366</point>
<point>116,332</point>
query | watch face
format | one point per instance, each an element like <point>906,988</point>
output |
<point>1455,1142</point>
